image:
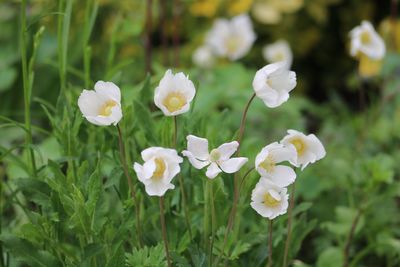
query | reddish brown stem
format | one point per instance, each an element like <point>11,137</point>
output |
<point>350,239</point>
<point>289,227</point>
<point>164,230</point>
<point>269,264</point>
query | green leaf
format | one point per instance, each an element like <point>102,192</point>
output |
<point>147,257</point>
<point>330,257</point>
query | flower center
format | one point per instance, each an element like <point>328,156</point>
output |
<point>174,101</point>
<point>365,37</point>
<point>270,201</point>
<point>279,56</point>
<point>160,169</point>
<point>299,145</point>
<point>106,109</point>
<point>214,155</point>
<point>268,164</point>
<point>232,44</point>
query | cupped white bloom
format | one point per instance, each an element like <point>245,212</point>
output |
<point>159,168</point>
<point>231,38</point>
<point>174,93</point>
<point>218,160</point>
<point>268,199</point>
<point>101,106</point>
<point>203,57</point>
<point>364,39</point>
<point>267,163</point>
<point>278,52</point>
<point>308,147</point>
<point>273,83</point>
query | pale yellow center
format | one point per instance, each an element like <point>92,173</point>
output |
<point>365,37</point>
<point>105,109</point>
<point>174,101</point>
<point>279,56</point>
<point>160,169</point>
<point>232,44</point>
<point>299,145</point>
<point>269,201</point>
<point>268,164</point>
<point>214,155</point>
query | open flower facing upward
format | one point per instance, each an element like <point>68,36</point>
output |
<point>219,159</point>
<point>268,199</point>
<point>273,83</point>
<point>203,57</point>
<point>159,168</point>
<point>174,93</point>
<point>278,52</point>
<point>309,148</point>
<point>267,163</point>
<point>231,38</point>
<point>101,106</point>
<point>364,39</point>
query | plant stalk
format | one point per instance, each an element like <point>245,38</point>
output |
<point>289,227</point>
<point>350,238</point>
<point>269,264</point>
<point>164,230</point>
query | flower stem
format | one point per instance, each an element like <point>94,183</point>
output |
<point>350,238</point>
<point>164,230</point>
<point>131,187</point>
<point>270,244</point>
<point>213,221</point>
<point>148,67</point>
<point>289,227</point>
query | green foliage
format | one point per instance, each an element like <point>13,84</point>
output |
<point>147,257</point>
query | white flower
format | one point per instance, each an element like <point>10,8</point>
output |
<point>219,159</point>
<point>203,57</point>
<point>160,166</point>
<point>309,148</point>
<point>231,38</point>
<point>269,157</point>
<point>277,52</point>
<point>273,83</point>
<point>364,39</point>
<point>268,199</point>
<point>101,106</point>
<point>174,93</point>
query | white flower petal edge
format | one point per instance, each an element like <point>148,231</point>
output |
<point>277,52</point>
<point>268,199</point>
<point>267,163</point>
<point>364,39</point>
<point>218,160</point>
<point>273,83</point>
<point>174,93</point>
<point>309,148</point>
<point>160,166</point>
<point>101,106</point>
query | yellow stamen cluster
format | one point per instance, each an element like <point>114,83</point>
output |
<point>214,155</point>
<point>106,109</point>
<point>299,145</point>
<point>174,101</point>
<point>268,164</point>
<point>365,37</point>
<point>232,44</point>
<point>160,169</point>
<point>269,201</point>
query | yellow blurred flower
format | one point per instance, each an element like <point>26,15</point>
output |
<point>289,6</point>
<point>237,7</point>
<point>204,8</point>
<point>367,67</point>
<point>390,31</point>
<point>271,11</point>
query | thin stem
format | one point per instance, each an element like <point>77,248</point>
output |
<point>164,230</point>
<point>213,221</point>
<point>206,220</point>
<point>243,123</point>
<point>350,239</point>
<point>148,49</point>
<point>289,227</point>
<point>131,187</point>
<point>175,135</point>
<point>270,244</point>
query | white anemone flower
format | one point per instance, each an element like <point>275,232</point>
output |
<point>309,148</point>
<point>203,57</point>
<point>159,168</point>
<point>267,163</point>
<point>273,83</point>
<point>174,93</point>
<point>101,106</point>
<point>231,38</point>
<point>218,160</point>
<point>364,39</point>
<point>268,199</point>
<point>277,52</point>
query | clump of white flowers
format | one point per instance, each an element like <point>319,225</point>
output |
<point>203,57</point>
<point>218,160</point>
<point>101,106</point>
<point>174,94</point>
<point>233,38</point>
<point>278,52</point>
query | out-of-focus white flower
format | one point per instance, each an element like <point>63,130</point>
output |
<point>364,39</point>
<point>267,163</point>
<point>174,93</point>
<point>231,38</point>
<point>273,83</point>
<point>101,106</point>
<point>277,52</point>
<point>219,159</point>
<point>268,199</point>
<point>203,57</point>
<point>160,166</point>
<point>309,148</point>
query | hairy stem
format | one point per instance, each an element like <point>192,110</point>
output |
<point>350,238</point>
<point>164,231</point>
<point>269,264</point>
<point>289,226</point>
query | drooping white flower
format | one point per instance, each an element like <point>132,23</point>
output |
<point>267,163</point>
<point>159,168</point>
<point>364,39</point>
<point>203,57</point>
<point>268,199</point>
<point>174,93</point>
<point>101,106</point>
<point>231,38</point>
<point>309,148</point>
<point>273,83</point>
<point>218,160</point>
<point>277,52</point>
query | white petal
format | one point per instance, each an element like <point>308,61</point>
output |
<point>108,89</point>
<point>90,103</point>
<point>282,176</point>
<point>283,153</point>
<point>316,146</point>
<point>226,150</point>
<point>198,147</point>
<point>232,165</point>
<point>158,188</point>
<point>198,164</point>
<point>213,170</point>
